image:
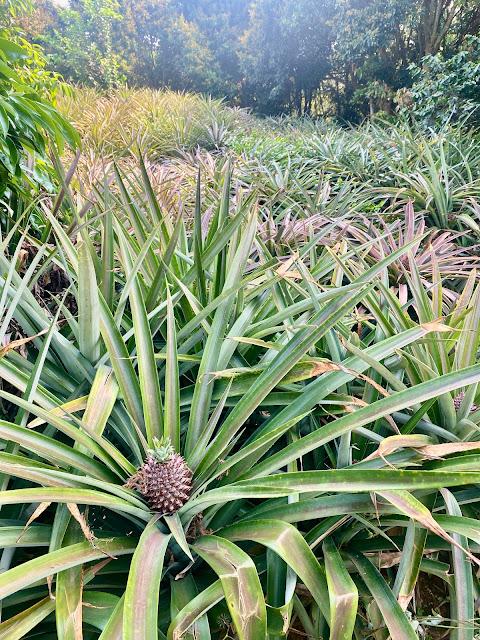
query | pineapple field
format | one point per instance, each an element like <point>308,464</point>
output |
<point>240,369</point>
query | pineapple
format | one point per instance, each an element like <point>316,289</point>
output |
<point>457,401</point>
<point>164,479</point>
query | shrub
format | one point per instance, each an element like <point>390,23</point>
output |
<point>28,120</point>
<point>447,90</point>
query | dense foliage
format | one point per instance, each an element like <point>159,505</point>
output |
<point>28,119</point>
<point>448,90</point>
<point>272,334</point>
<point>342,57</point>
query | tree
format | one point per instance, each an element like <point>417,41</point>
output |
<point>222,23</point>
<point>81,46</point>
<point>143,38</point>
<point>191,64</point>
<point>376,41</point>
<point>286,54</point>
<point>443,20</point>
<point>343,57</point>
<point>167,43</point>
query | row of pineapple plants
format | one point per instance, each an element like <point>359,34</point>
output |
<point>299,167</point>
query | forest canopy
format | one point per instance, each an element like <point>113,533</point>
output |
<point>349,58</point>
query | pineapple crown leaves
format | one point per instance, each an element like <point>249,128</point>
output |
<point>162,449</point>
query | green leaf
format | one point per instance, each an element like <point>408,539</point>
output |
<point>194,610</point>
<point>342,593</point>
<point>69,588</point>
<point>172,387</point>
<point>319,324</point>
<point>98,607</point>
<point>289,544</point>
<point>386,406</point>
<point>147,368</point>
<point>82,496</point>
<point>122,365</point>
<point>203,389</point>
<point>240,583</point>
<point>183,592</point>
<point>140,609</point>
<point>393,615</point>
<point>18,626</point>
<point>29,572</point>
<point>175,526</point>
<point>463,594</point>
<point>114,627</point>
<point>341,480</point>
<point>88,306</point>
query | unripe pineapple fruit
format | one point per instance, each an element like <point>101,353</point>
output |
<point>164,479</point>
<point>457,401</point>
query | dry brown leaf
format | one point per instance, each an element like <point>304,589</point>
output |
<point>392,443</point>
<point>359,402</point>
<point>404,600</point>
<point>38,511</point>
<point>69,407</point>
<point>436,325</point>
<point>435,528</point>
<point>374,384</point>
<point>77,615</point>
<point>373,497</point>
<point>420,443</point>
<point>22,258</point>
<point>75,511</point>
<point>97,567</point>
<point>354,402</point>
<point>18,343</point>
<point>325,367</point>
<point>424,518</point>
<point>285,266</point>
<point>387,559</point>
<point>295,275</point>
<point>256,342</point>
<point>87,532</point>
<point>285,271</point>
<point>330,530</point>
<point>440,450</point>
<point>49,585</point>
<point>94,606</point>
